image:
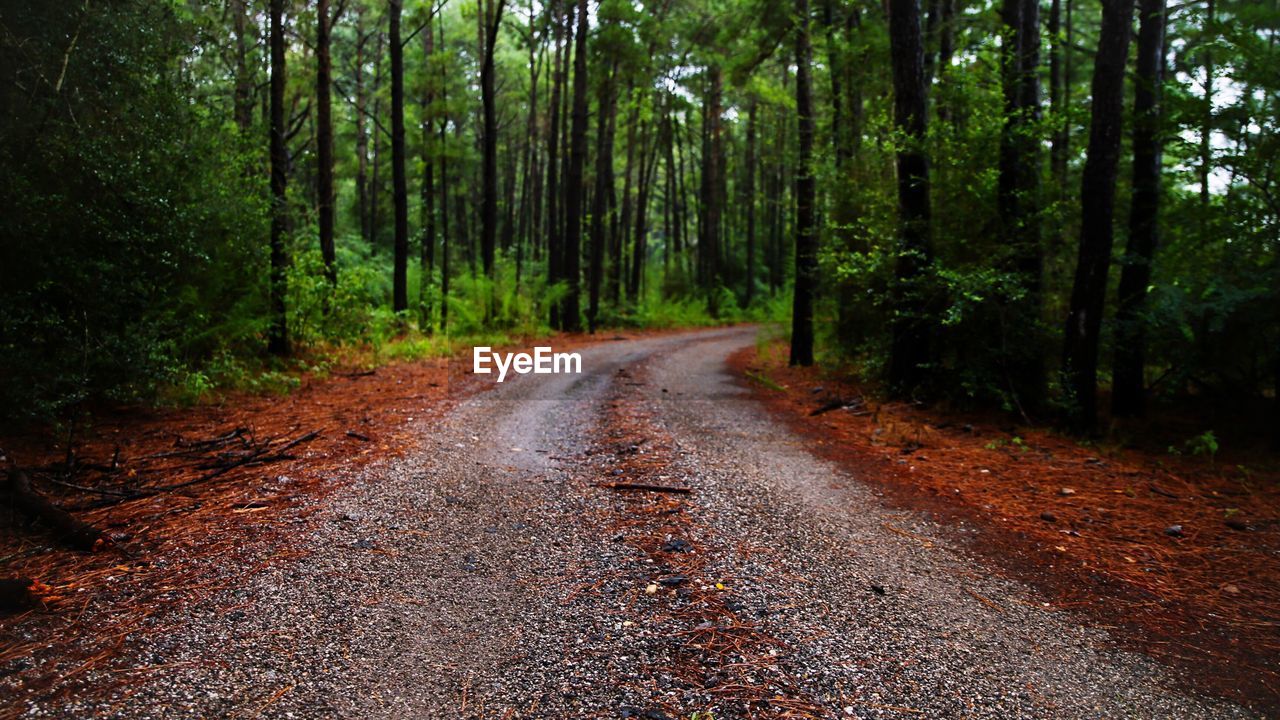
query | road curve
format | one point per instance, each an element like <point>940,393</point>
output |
<point>477,577</point>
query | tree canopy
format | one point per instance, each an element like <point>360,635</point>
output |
<point>1066,209</point>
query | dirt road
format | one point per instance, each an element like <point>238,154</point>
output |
<point>489,575</point>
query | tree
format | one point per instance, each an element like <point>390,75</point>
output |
<point>912,351</point>
<point>362,131</point>
<point>1128,389</point>
<point>806,239</point>
<point>570,314</point>
<point>553,157</point>
<point>324,140</point>
<point>605,122</point>
<point>427,192</point>
<point>712,186</point>
<point>278,335</point>
<point>399,183</point>
<point>490,22</point>
<point>1017,200</point>
<point>749,199</point>
<point>1097,205</point>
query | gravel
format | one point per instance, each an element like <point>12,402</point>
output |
<point>472,579</point>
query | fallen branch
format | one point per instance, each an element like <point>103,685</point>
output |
<point>357,374</point>
<point>358,436</point>
<point>828,407</point>
<point>76,533</point>
<point>645,487</point>
<point>256,457</point>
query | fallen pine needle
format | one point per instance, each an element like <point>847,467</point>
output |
<point>923,541</point>
<point>895,708</point>
<point>984,601</point>
<point>278,694</point>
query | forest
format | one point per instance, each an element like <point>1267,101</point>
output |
<point>909,358</point>
<point>1065,210</point>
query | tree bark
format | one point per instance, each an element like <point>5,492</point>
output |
<point>427,193</point>
<point>712,182</point>
<point>604,180</point>
<point>529,198</point>
<point>1018,202</point>
<point>324,141</point>
<point>444,194</point>
<point>749,193</point>
<point>806,241</point>
<point>489,138</point>
<point>278,334</point>
<point>619,230</point>
<point>400,191</point>
<point>1097,204</point>
<point>911,352</point>
<point>1206,116</point>
<point>835,68</point>
<point>1057,105</point>
<point>571,315</point>
<point>374,186</point>
<point>243,93</point>
<point>1128,394</point>
<point>362,132</point>
<point>639,249</point>
<point>553,164</point>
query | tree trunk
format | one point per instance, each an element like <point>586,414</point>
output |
<point>1128,393</point>
<point>1206,115</point>
<point>1097,205</point>
<point>676,196</point>
<point>1057,97</point>
<point>682,192</point>
<point>374,186</point>
<point>1017,200</point>
<point>324,141</point>
<point>711,183</point>
<point>444,194</point>
<point>911,351</point>
<point>427,194</point>
<point>400,191</point>
<point>362,132</point>
<point>638,244</point>
<point>571,316</point>
<point>749,193</point>
<point>562,163</point>
<point>835,67</point>
<point>553,165</point>
<point>529,198</point>
<point>489,168</point>
<point>278,334</point>
<point>806,241</point>
<point>604,179</point>
<point>619,229</point>
<point>243,99</point>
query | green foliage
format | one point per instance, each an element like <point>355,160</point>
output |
<point>128,222</point>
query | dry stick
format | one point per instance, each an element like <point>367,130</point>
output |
<point>85,488</point>
<point>77,533</point>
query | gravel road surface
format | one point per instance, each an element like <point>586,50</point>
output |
<point>475,578</point>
